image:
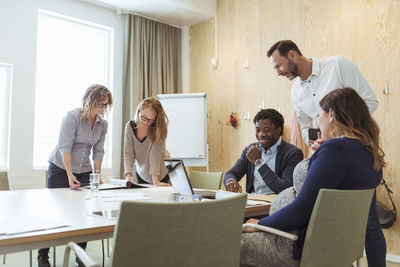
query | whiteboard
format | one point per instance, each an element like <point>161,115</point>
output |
<point>187,128</point>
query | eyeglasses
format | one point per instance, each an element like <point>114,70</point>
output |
<point>147,120</point>
<point>102,105</point>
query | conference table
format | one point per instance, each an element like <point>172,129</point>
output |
<point>36,218</point>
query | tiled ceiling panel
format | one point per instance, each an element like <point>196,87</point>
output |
<point>175,12</point>
<point>181,17</point>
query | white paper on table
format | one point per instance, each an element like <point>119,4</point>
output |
<point>11,192</point>
<point>160,189</point>
<point>26,224</point>
<point>251,203</point>
<point>224,194</point>
<point>123,196</point>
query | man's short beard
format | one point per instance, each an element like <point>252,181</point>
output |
<point>293,69</point>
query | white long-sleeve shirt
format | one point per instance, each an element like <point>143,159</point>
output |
<point>328,74</point>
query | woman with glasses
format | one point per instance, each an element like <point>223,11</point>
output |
<point>144,145</point>
<point>82,132</point>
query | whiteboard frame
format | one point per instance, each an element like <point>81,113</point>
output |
<point>193,161</point>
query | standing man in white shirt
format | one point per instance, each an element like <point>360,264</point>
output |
<point>318,77</point>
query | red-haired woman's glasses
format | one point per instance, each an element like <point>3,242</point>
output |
<point>147,120</point>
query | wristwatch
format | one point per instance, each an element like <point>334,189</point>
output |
<point>258,162</point>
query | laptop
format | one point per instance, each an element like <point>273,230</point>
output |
<point>180,180</point>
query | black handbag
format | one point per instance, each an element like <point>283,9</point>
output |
<point>386,216</point>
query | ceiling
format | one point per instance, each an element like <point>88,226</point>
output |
<point>174,12</point>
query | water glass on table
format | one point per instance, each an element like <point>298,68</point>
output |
<point>94,183</point>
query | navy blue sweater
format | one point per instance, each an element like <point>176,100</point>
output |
<point>287,158</point>
<point>340,163</point>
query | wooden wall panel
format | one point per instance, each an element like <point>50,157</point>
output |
<point>365,31</point>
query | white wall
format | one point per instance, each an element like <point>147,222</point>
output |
<point>18,25</point>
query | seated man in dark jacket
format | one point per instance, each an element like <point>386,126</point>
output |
<point>269,163</point>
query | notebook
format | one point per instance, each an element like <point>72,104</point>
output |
<point>118,184</point>
<point>180,180</point>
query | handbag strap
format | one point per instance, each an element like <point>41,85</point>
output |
<point>390,192</point>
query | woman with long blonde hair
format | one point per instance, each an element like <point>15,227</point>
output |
<point>350,158</point>
<point>144,145</point>
<point>82,132</point>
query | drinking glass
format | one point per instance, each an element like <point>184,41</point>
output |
<point>94,184</point>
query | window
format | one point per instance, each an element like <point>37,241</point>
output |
<point>71,55</point>
<point>5,96</point>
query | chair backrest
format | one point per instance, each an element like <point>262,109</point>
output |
<point>336,231</point>
<point>46,174</point>
<point>205,233</point>
<point>206,180</point>
<point>4,185</point>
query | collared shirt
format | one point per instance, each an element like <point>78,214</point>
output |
<point>268,157</point>
<point>78,138</point>
<point>328,74</point>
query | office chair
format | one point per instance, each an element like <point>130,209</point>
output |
<point>4,185</point>
<point>204,233</point>
<point>336,231</point>
<point>206,180</point>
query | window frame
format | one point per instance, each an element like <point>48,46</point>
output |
<point>6,127</point>
<point>108,78</point>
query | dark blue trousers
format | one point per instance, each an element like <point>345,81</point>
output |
<point>58,178</point>
<point>375,243</point>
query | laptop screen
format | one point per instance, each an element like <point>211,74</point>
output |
<point>178,176</point>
